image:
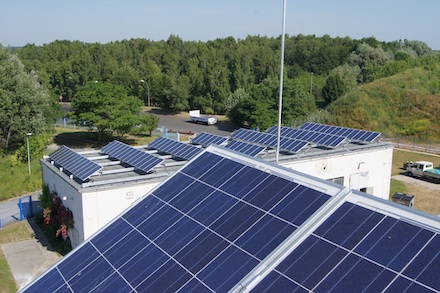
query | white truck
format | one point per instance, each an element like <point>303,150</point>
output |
<point>422,169</point>
<point>196,117</point>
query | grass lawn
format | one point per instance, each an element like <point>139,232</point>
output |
<point>425,199</point>
<point>13,233</point>
<point>401,156</point>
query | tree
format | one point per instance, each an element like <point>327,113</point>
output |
<point>106,107</point>
<point>25,106</point>
<point>334,88</point>
<point>147,123</point>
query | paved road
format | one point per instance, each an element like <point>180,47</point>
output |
<point>181,123</point>
<point>10,213</point>
<point>417,181</point>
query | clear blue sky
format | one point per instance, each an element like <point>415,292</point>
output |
<point>44,21</point>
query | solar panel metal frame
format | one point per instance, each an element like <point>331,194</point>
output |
<point>132,156</point>
<point>175,148</point>
<point>319,138</point>
<point>206,139</point>
<point>351,133</point>
<point>269,140</point>
<point>78,165</point>
<point>245,148</point>
<point>174,211</point>
<point>371,242</point>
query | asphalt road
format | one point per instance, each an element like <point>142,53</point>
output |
<point>181,123</point>
<point>417,181</point>
<point>10,213</point>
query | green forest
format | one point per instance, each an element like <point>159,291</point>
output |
<point>362,83</point>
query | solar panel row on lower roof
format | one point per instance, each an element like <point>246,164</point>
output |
<point>202,230</point>
<point>245,148</point>
<point>175,148</point>
<point>75,163</point>
<point>207,139</point>
<point>353,134</point>
<point>269,140</point>
<point>319,138</point>
<point>360,250</point>
<point>129,155</point>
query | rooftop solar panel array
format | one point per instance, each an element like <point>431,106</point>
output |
<point>269,140</point>
<point>129,155</point>
<point>175,148</point>
<point>245,148</point>
<point>202,230</point>
<point>207,139</point>
<point>360,250</point>
<point>319,138</point>
<point>75,163</point>
<point>352,134</point>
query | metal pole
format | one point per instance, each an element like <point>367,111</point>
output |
<point>148,91</point>
<point>28,153</point>
<point>311,82</point>
<point>280,103</point>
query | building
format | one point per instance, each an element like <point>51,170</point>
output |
<point>114,183</point>
<point>226,222</point>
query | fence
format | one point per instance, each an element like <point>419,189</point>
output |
<point>416,144</point>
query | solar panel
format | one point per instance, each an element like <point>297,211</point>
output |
<point>245,148</point>
<point>203,229</point>
<point>207,139</point>
<point>353,134</point>
<point>75,163</point>
<point>323,139</point>
<point>269,140</point>
<point>175,148</point>
<point>361,250</point>
<point>134,157</point>
<point>255,137</point>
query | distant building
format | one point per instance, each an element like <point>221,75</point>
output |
<point>95,199</point>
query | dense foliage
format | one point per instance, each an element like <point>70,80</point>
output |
<point>25,106</point>
<point>107,108</point>
<point>235,77</point>
<point>406,104</point>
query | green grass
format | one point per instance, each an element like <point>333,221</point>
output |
<point>15,180</point>
<point>401,156</point>
<point>397,186</point>
<point>10,234</point>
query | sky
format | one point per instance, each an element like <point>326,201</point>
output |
<point>40,22</point>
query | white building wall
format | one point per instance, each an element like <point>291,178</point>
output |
<point>94,209</point>
<point>72,201</point>
<point>369,170</point>
<point>102,206</point>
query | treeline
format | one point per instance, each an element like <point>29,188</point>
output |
<point>237,77</point>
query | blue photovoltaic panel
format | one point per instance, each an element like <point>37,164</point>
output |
<point>75,163</point>
<point>318,138</point>
<point>255,137</point>
<point>352,134</point>
<point>207,139</point>
<point>134,157</point>
<point>245,148</point>
<point>361,250</point>
<point>202,230</point>
<point>175,148</point>
<point>269,140</point>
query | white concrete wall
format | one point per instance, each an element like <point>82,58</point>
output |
<point>73,201</point>
<point>370,169</point>
<point>92,210</point>
<point>100,207</point>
